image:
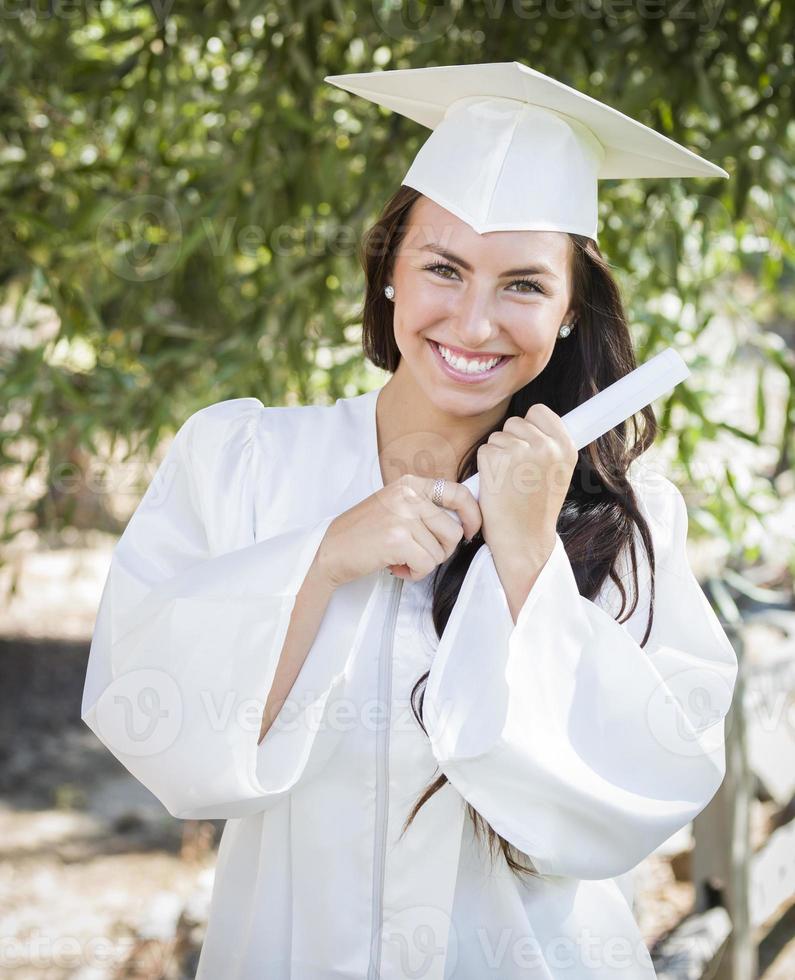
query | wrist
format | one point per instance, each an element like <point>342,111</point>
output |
<point>519,567</point>
<point>524,553</point>
<point>323,569</point>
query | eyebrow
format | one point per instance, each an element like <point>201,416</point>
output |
<point>533,270</point>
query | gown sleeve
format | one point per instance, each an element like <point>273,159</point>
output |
<point>191,624</point>
<point>583,749</point>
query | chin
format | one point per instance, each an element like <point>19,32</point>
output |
<point>464,404</point>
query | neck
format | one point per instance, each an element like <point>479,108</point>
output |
<point>416,436</point>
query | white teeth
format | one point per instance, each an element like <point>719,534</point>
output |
<point>466,365</point>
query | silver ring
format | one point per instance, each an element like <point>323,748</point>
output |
<point>438,491</point>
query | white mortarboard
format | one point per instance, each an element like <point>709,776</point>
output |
<point>515,150</point>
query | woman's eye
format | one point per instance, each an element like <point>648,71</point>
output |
<point>528,282</point>
<point>535,286</point>
<point>440,265</point>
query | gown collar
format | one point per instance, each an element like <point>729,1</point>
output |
<point>367,402</point>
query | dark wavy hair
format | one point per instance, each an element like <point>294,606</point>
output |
<point>600,513</point>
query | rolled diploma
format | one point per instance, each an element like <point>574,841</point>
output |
<point>618,402</point>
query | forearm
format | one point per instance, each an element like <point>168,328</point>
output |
<point>310,606</point>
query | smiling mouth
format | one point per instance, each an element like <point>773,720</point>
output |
<point>468,373</point>
<point>470,354</point>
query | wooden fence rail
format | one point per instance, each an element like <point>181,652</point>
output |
<point>737,889</point>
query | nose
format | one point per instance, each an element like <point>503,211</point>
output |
<point>474,319</point>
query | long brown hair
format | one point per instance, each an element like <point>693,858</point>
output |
<point>600,513</point>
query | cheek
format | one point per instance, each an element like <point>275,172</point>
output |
<point>531,331</point>
<point>427,298</point>
<point>421,307</point>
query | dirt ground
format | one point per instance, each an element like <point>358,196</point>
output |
<point>97,880</point>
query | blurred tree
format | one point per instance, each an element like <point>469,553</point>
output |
<point>182,197</point>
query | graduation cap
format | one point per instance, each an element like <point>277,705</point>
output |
<point>515,150</point>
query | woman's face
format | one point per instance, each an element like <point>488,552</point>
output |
<point>504,293</point>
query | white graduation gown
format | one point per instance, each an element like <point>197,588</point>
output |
<point>580,747</point>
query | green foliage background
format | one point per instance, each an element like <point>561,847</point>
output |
<point>182,196</point>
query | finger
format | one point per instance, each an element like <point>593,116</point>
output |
<point>419,554</point>
<point>523,428</point>
<point>549,422</point>
<point>428,541</point>
<point>555,428</point>
<point>543,426</point>
<point>444,526</point>
<point>458,498</point>
<point>506,439</point>
<point>416,561</point>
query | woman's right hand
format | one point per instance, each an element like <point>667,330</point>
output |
<point>399,528</point>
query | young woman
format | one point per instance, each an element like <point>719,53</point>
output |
<point>479,715</point>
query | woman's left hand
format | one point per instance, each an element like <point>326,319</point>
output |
<point>525,471</point>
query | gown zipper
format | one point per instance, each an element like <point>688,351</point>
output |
<point>382,773</point>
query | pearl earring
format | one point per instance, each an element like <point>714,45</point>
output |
<point>389,292</point>
<point>565,329</point>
